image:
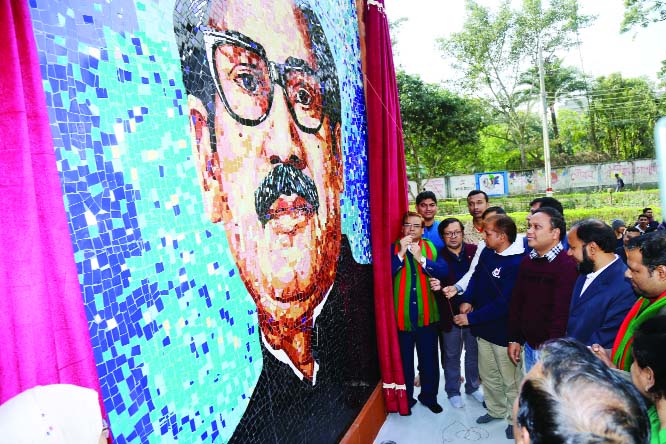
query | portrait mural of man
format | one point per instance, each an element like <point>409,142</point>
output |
<point>215,181</point>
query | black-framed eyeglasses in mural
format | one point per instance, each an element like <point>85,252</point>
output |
<point>245,79</point>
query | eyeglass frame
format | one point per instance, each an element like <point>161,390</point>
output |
<point>276,73</point>
<point>453,233</point>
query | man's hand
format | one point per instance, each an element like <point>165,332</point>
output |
<point>465,308</point>
<point>460,320</point>
<point>450,291</point>
<point>435,284</point>
<point>514,352</point>
<point>405,242</point>
<point>602,354</point>
<point>416,252</point>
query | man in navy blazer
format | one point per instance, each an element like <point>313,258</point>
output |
<point>602,296</point>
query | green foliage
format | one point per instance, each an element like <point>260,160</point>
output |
<point>642,13</point>
<point>440,129</point>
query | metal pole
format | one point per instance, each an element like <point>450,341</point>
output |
<point>660,148</point>
<point>544,120</point>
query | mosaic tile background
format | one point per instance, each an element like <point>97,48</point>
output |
<point>174,331</point>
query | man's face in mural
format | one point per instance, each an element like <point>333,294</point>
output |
<point>275,180</point>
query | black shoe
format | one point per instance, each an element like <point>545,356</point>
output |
<point>435,408</point>
<point>509,432</point>
<point>485,419</point>
<point>412,403</point>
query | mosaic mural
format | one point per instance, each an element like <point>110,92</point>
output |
<point>212,156</point>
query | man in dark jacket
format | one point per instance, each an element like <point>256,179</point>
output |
<point>485,308</point>
<point>458,255</point>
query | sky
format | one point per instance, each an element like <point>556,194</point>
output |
<point>603,49</point>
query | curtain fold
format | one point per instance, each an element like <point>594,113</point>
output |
<point>44,337</point>
<point>388,192</point>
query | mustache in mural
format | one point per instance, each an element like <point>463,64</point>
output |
<point>285,179</point>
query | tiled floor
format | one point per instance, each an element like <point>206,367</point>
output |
<point>452,426</point>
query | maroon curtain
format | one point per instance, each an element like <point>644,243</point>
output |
<point>388,192</point>
<point>44,336</point>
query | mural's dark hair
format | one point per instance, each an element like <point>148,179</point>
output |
<point>190,15</point>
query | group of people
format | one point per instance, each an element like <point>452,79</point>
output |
<point>542,317</point>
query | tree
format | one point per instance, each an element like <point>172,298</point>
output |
<point>440,128</point>
<point>559,81</point>
<point>493,49</point>
<point>625,111</point>
<point>642,13</point>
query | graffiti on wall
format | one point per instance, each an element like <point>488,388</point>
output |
<point>213,168</point>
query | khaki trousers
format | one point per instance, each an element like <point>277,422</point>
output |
<point>499,377</point>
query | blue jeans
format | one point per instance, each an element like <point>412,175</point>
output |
<point>531,357</point>
<point>454,342</point>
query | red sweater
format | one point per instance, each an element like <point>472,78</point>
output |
<point>539,307</point>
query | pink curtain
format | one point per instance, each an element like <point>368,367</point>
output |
<point>388,192</point>
<point>44,335</point>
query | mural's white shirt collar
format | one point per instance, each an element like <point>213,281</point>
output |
<point>281,356</point>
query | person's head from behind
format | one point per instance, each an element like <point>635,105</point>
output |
<point>491,211</point>
<point>648,371</point>
<point>264,106</point>
<point>646,264</point>
<point>570,396</point>
<point>589,240</point>
<point>500,232</point>
<point>452,232</point>
<point>426,205</point>
<point>542,202</point>
<point>545,229</point>
<point>477,202</point>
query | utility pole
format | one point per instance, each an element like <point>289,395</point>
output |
<point>544,119</point>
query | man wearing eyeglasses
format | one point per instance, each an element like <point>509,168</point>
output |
<point>458,255</point>
<point>414,259</point>
<point>265,122</point>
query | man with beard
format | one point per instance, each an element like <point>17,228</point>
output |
<point>477,203</point>
<point>602,295</point>
<point>265,127</point>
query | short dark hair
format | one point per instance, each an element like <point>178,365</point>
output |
<point>649,340</point>
<point>498,210</point>
<point>409,214</point>
<point>556,219</point>
<point>652,247</point>
<point>646,209</point>
<point>423,195</point>
<point>475,192</point>
<point>643,215</point>
<point>505,224</point>
<point>446,222</point>
<point>578,399</point>
<point>550,202</point>
<point>594,230</point>
<point>632,230</point>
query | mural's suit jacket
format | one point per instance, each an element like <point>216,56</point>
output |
<point>284,409</point>
<point>596,315</point>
